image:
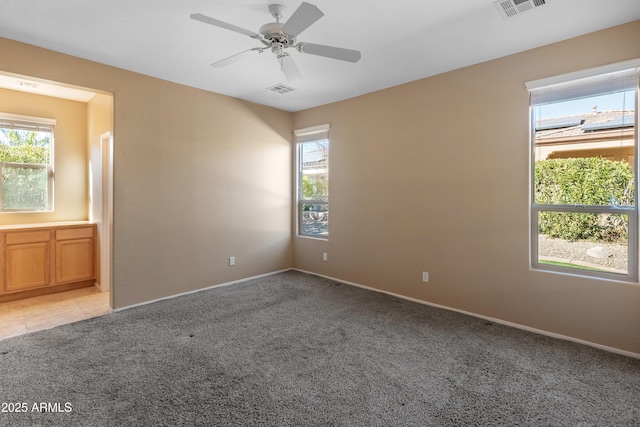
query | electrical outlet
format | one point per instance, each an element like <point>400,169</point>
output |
<point>425,276</point>
<point>232,260</point>
<point>324,256</point>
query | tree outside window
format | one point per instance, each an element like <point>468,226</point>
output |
<point>313,196</point>
<point>26,162</point>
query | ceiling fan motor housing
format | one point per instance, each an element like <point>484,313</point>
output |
<point>272,32</point>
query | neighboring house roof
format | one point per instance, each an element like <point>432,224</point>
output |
<point>315,158</point>
<point>588,125</point>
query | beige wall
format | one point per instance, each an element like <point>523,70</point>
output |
<point>198,177</point>
<point>70,154</point>
<point>433,176</point>
<point>428,176</point>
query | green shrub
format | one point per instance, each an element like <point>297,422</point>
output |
<point>24,187</point>
<point>583,181</point>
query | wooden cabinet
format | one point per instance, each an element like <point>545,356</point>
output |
<point>75,255</point>
<point>27,260</point>
<point>43,259</point>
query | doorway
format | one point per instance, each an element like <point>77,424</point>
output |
<point>19,94</point>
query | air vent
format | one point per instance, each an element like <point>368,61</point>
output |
<point>511,8</point>
<point>26,84</point>
<point>280,88</point>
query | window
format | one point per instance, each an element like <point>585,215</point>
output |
<point>584,184</point>
<point>26,160</point>
<point>313,181</point>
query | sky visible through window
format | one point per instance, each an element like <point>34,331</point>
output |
<point>609,102</point>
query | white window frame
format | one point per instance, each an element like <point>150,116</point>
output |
<point>303,136</point>
<point>565,87</point>
<point>17,121</point>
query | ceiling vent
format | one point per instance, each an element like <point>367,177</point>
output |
<point>511,8</point>
<point>280,88</point>
<point>27,84</point>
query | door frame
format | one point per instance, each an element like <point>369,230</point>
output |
<point>106,238</point>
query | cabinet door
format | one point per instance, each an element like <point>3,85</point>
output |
<point>74,260</point>
<point>26,266</point>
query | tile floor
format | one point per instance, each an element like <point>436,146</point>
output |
<point>46,311</point>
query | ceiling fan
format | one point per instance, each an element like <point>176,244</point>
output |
<point>279,36</point>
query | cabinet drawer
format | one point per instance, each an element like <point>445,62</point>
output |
<point>74,233</point>
<point>20,237</point>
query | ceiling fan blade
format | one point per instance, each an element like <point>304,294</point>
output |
<point>342,54</point>
<point>211,21</point>
<point>235,58</point>
<point>289,68</point>
<point>305,15</point>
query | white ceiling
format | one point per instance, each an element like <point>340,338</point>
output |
<point>400,41</point>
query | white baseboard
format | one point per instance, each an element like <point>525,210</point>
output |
<point>202,289</point>
<point>491,319</point>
